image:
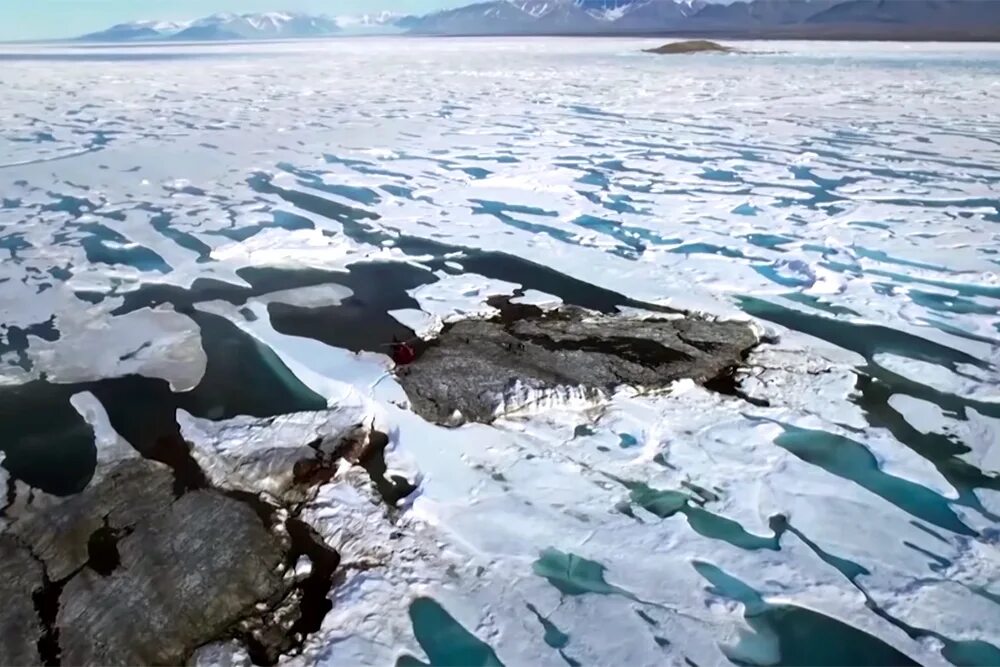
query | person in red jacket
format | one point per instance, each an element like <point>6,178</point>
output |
<point>402,352</point>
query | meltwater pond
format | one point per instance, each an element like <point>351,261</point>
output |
<point>192,237</point>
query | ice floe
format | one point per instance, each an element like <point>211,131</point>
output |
<point>821,191</point>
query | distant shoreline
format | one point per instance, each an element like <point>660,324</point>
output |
<point>867,34</point>
<point>825,34</point>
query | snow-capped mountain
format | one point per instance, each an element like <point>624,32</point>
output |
<point>369,20</point>
<point>610,10</point>
<point>493,17</point>
<point>268,25</point>
<point>376,23</point>
<point>558,16</point>
<point>663,15</point>
<point>223,26</point>
<point>137,30</point>
<point>777,18</point>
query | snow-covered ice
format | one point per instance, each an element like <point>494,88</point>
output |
<point>324,197</point>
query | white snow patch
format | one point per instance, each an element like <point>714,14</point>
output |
<point>111,447</point>
<point>156,343</point>
<point>221,654</point>
<point>971,383</point>
<point>314,296</point>
<point>423,324</point>
<point>454,297</point>
<point>253,454</point>
<point>922,415</point>
<point>542,300</point>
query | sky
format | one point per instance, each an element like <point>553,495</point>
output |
<point>54,19</point>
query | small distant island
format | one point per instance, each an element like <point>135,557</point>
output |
<point>691,46</point>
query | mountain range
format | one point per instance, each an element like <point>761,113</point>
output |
<point>833,19</point>
<point>229,26</point>
<point>885,19</point>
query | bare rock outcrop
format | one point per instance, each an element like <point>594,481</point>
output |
<point>21,579</point>
<point>183,577</point>
<point>156,559</point>
<point>476,369</point>
<point>691,46</point>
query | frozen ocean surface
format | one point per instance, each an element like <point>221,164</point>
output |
<point>211,232</point>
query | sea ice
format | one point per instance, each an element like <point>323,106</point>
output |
<point>818,190</point>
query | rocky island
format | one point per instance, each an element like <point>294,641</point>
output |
<point>691,46</point>
<point>476,369</point>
